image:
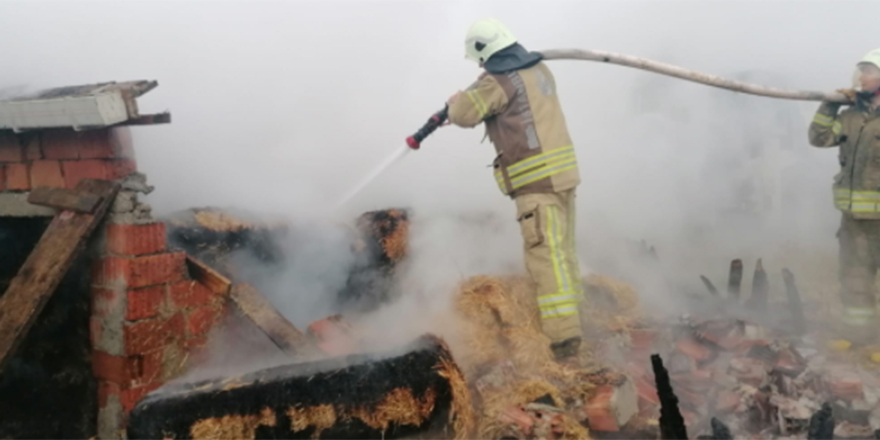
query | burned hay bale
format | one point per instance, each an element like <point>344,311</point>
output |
<point>382,243</point>
<point>212,235</point>
<point>420,392</point>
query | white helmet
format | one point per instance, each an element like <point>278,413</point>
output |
<point>869,65</point>
<point>486,37</point>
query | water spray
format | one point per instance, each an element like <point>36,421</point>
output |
<point>413,142</point>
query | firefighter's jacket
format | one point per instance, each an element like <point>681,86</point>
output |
<point>524,122</point>
<point>856,130</point>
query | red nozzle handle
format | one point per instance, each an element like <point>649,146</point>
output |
<point>436,120</point>
<point>413,143</point>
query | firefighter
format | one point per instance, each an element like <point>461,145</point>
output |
<point>515,98</point>
<point>856,189</point>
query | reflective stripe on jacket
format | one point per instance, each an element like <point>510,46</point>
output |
<point>856,130</point>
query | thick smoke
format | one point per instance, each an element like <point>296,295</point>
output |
<point>283,106</point>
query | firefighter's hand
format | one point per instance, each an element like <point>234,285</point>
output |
<point>849,93</point>
<point>453,98</point>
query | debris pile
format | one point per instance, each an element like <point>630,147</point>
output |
<point>734,377</point>
<point>519,390</point>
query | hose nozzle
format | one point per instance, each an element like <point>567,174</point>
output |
<point>436,120</point>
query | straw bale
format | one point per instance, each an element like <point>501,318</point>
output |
<point>216,220</point>
<point>232,427</point>
<point>320,417</point>
<point>399,407</point>
<point>462,414</point>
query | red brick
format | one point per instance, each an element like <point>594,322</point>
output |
<point>10,149</point>
<point>104,169</point>
<point>152,334</point>
<point>144,303</point>
<point>127,371</point>
<point>108,367</point>
<point>31,143</point>
<point>727,401</point>
<point>611,407</point>
<point>60,144</point>
<point>187,294</point>
<point>17,177</point>
<point>643,340</point>
<point>136,239</point>
<point>846,385</point>
<point>694,349</point>
<point>200,320</point>
<point>111,272</point>
<point>2,177</point>
<point>46,173</point>
<point>106,144</point>
<point>145,368</point>
<point>138,272</point>
<point>158,269</point>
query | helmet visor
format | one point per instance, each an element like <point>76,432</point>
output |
<point>866,78</point>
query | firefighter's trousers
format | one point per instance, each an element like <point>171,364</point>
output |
<point>547,223</point>
<point>859,260</point>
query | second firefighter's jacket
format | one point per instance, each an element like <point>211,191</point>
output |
<point>525,123</point>
<point>856,130</point>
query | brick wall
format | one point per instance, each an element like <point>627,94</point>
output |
<point>61,157</point>
<point>147,315</point>
<point>146,311</point>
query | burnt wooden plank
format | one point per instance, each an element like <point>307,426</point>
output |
<point>62,198</point>
<point>47,264</point>
<point>207,276</point>
<point>261,312</point>
<point>734,280</point>
<point>794,302</point>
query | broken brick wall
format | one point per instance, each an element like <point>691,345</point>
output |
<point>136,309</point>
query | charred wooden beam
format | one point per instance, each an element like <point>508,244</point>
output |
<point>822,424</point>
<point>720,431</point>
<point>414,391</point>
<point>794,301</point>
<point>760,288</point>
<point>734,279</point>
<point>158,118</point>
<point>62,198</point>
<point>671,421</point>
<point>207,276</point>
<point>259,310</point>
<point>709,285</point>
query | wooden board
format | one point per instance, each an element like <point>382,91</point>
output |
<point>207,276</point>
<point>62,198</point>
<point>39,276</point>
<point>261,312</point>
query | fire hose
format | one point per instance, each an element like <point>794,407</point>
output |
<point>439,118</point>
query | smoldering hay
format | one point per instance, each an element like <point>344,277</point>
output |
<point>689,75</point>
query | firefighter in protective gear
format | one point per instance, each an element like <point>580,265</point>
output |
<point>856,190</point>
<point>535,166</point>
